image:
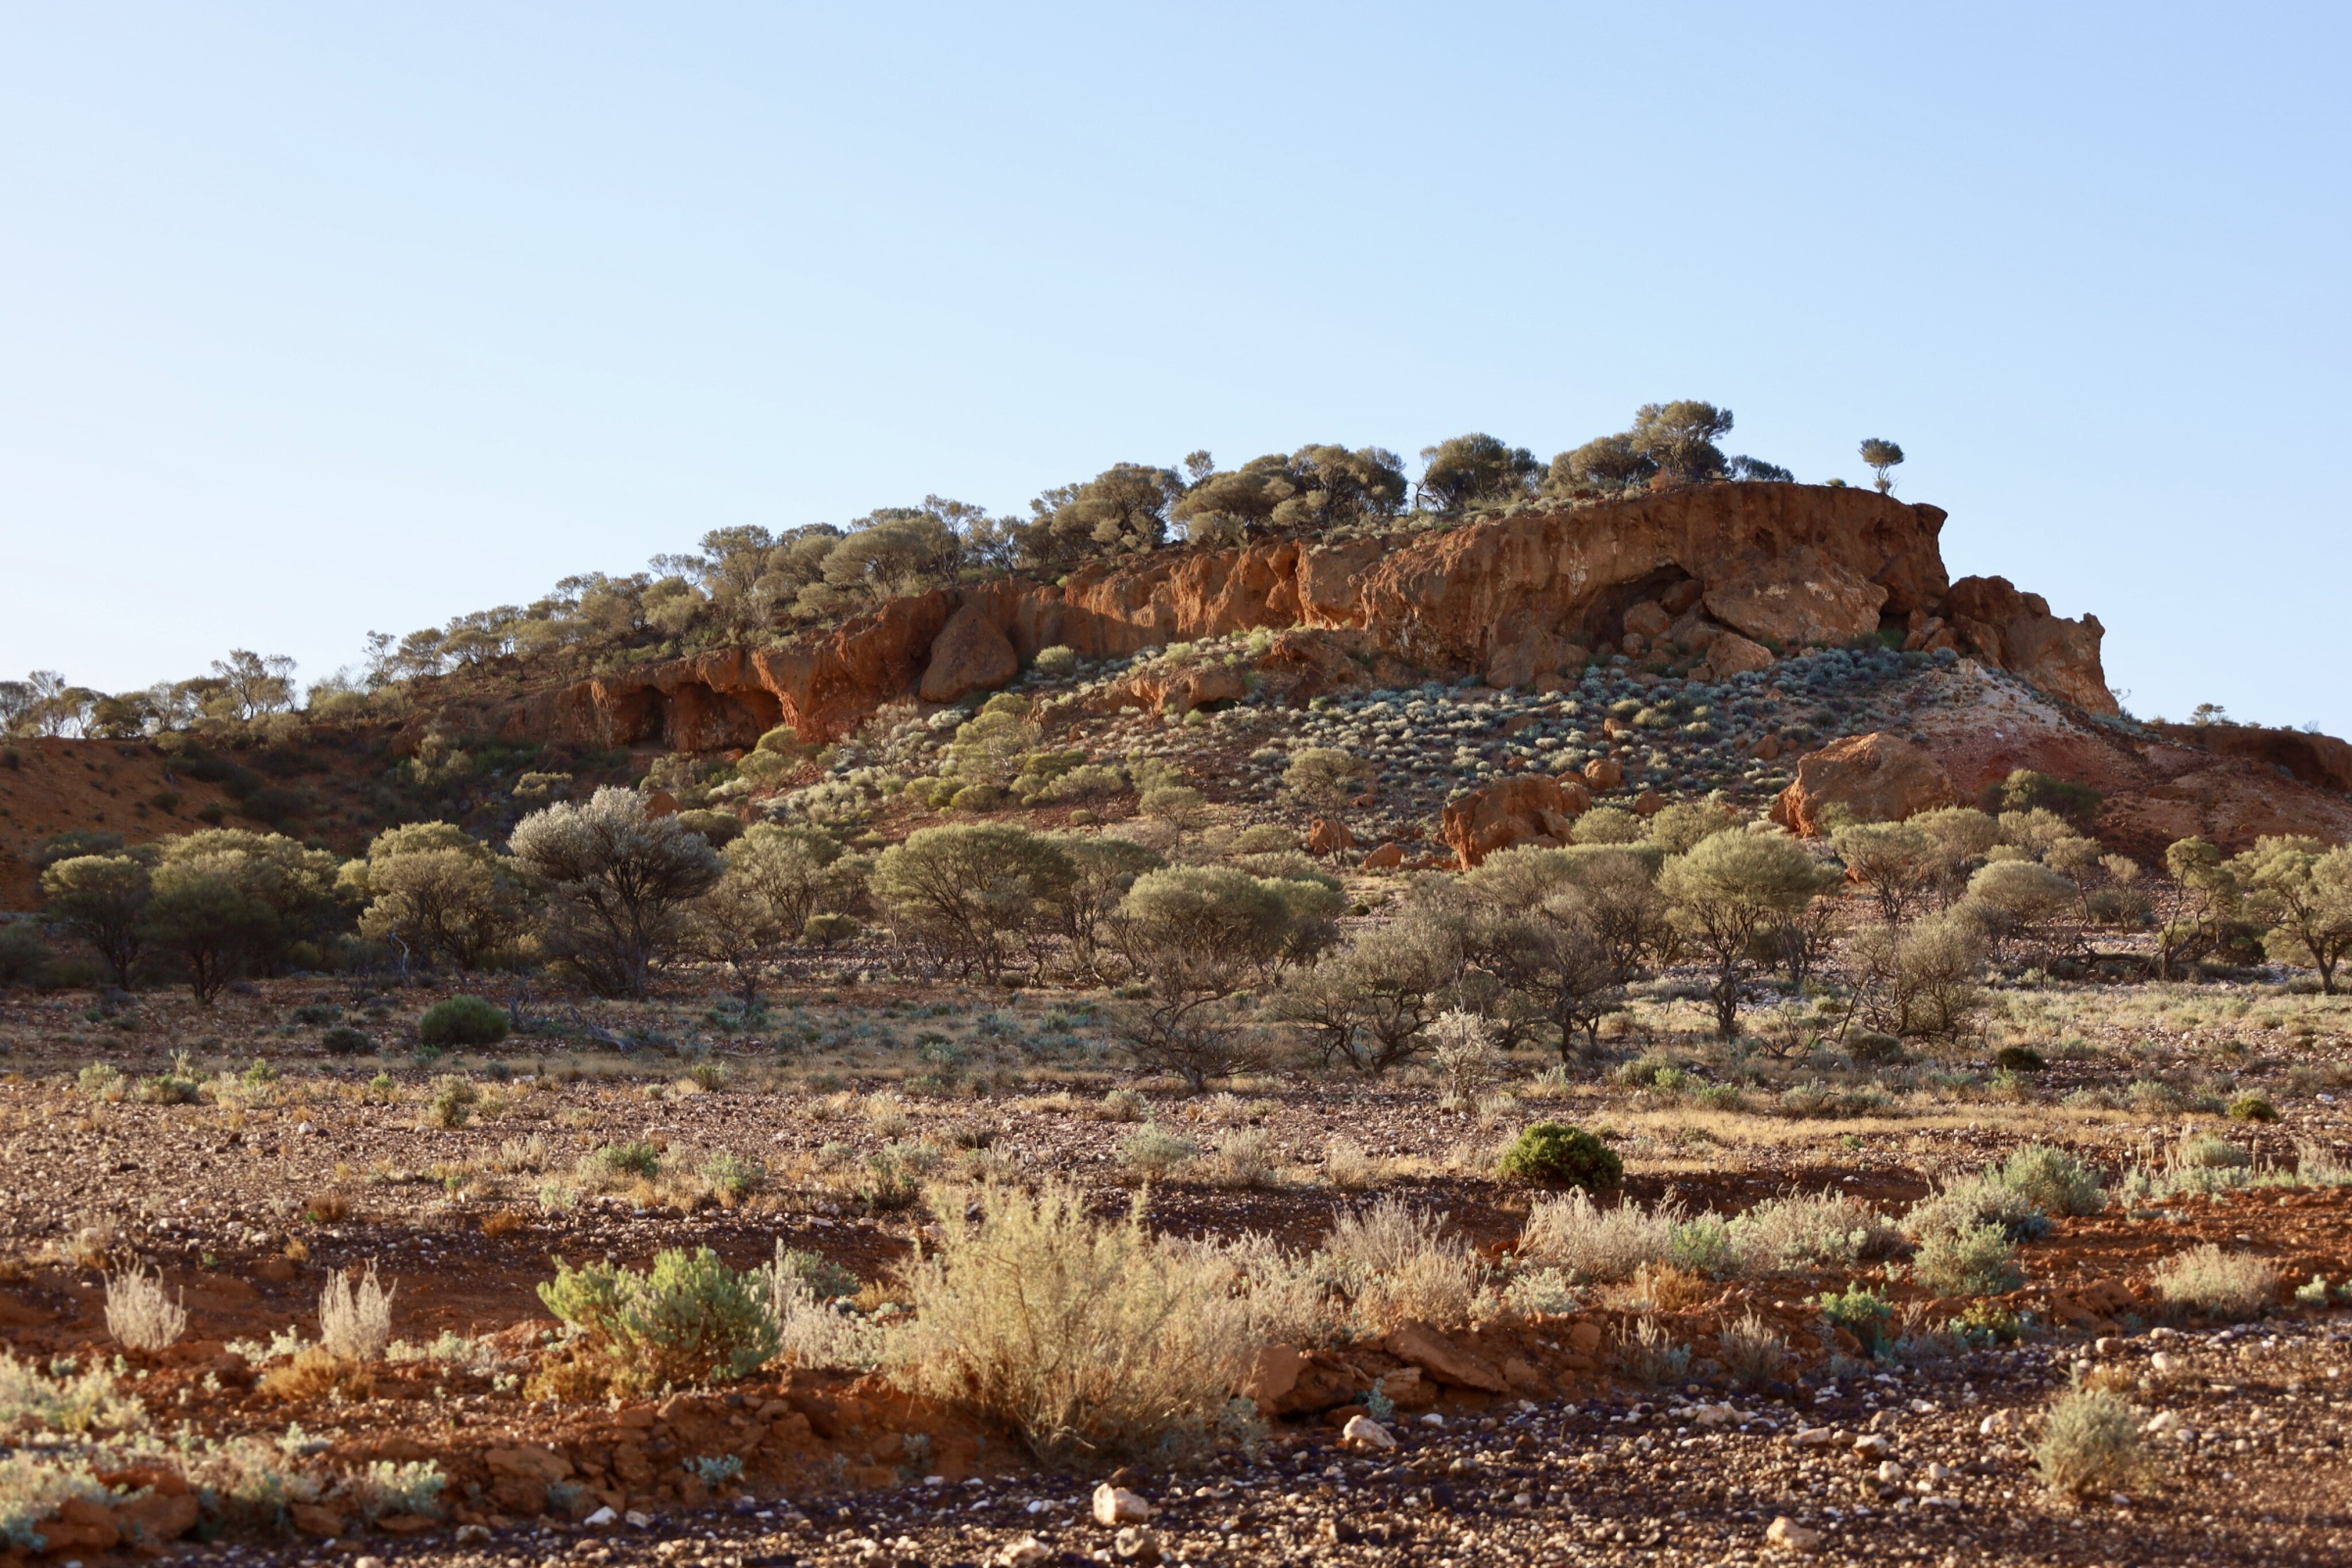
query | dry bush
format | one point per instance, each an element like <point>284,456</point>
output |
<point>139,1315</point>
<point>1809,1231</point>
<point>1464,1056</point>
<point>317,1372</point>
<point>1087,1337</point>
<point>1753,1352</point>
<point>1647,1355</point>
<point>1244,1158</point>
<point>1657,1288</point>
<point>1398,1265</point>
<point>503,1222</point>
<point>2217,1284</point>
<point>355,1324</point>
<point>1347,1166</point>
<point>1121,1105</point>
<point>520,1157</point>
<point>1154,1153</point>
<point>2090,1442</point>
<point>1592,1243</point>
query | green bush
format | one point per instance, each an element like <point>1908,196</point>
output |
<point>2253,1108</point>
<point>687,1320</point>
<point>1562,1156</point>
<point>824,930</point>
<point>635,1158</point>
<point>453,1102</point>
<point>462,1021</point>
<point>2053,1180</point>
<point>716,827</point>
<point>1862,1312</point>
<point>344,1041</point>
<point>2090,1443</point>
<point>24,957</point>
<point>2019,1059</point>
<point>1982,1262</point>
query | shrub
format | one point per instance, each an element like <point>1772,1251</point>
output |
<point>1463,1053</point>
<point>344,1041</point>
<point>1860,1311</point>
<point>386,1487</point>
<point>2090,1442</point>
<point>1753,1353</point>
<point>2019,1059</point>
<point>24,957</point>
<point>139,1315</point>
<point>823,1278</point>
<point>1646,1357</point>
<point>2213,1284</point>
<point>2054,1180</point>
<point>1982,1262</point>
<point>1399,1266</point>
<point>462,1021</point>
<point>2253,1108</point>
<point>1822,1230</point>
<point>1593,1243</point>
<point>732,1177</point>
<point>355,1324</point>
<point>1087,1337</point>
<point>1054,661</point>
<point>453,1101</point>
<point>1975,1201</point>
<point>828,930</point>
<point>687,1320</point>
<point>1560,1155</point>
<point>1153,1151</point>
<point>636,1158</point>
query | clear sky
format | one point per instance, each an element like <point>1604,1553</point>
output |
<point>320,318</point>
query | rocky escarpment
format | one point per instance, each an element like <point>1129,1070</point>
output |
<point>1734,573</point>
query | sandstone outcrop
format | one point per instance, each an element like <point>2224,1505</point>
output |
<point>970,653</point>
<point>1529,808</point>
<point>1739,570</point>
<point>2321,761</point>
<point>1879,778</point>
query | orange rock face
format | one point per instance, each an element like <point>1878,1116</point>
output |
<point>1529,808</point>
<point>1727,568</point>
<point>1879,778</point>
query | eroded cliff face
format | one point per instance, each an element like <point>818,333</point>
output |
<point>1736,572</point>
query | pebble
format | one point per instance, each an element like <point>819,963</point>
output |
<point>1117,1505</point>
<point>368,1563</point>
<point>1996,1424</point>
<point>1363,1432</point>
<point>1789,1536</point>
<point>1026,1552</point>
<point>602,1516</point>
<point>1136,1544</point>
<point>1815,1437</point>
<point>1873,1447</point>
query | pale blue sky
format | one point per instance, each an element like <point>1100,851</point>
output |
<point>320,318</point>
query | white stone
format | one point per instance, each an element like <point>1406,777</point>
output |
<point>601,1517</point>
<point>1994,1425</point>
<point>1025,1552</point>
<point>1890,1471</point>
<point>1789,1536</point>
<point>1872,1445</point>
<point>1117,1505</point>
<point>1815,1437</point>
<point>1363,1432</point>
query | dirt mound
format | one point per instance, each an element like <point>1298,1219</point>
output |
<point>55,787</point>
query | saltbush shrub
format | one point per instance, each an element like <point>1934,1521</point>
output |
<point>344,1041</point>
<point>1560,1155</point>
<point>462,1021</point>
<point>687,1320</point>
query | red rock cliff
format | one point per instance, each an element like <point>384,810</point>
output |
<point>1753,567</point>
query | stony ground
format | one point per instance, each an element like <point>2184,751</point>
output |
<point>247,1196</point>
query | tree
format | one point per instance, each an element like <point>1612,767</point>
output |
<point>1729,890</point>
<point>1370,1005</point>
<point>892,552</point>
<point>2014,902</point>
<point>1325,778</point>
<point>255,684</point>
<point>2302,892</point>
<point>615,882</point>
<point>1106,868</point>
<point>438,895</point>
<point>1604,463</point>
<point>777,880</point>
<point>1895,860</point>
<point>1552,957</point>
<point>1881,455</point>
<point>1922,980</point>
<point>225,903</point>
<point>102,900</point>
<point>964,895</point>
<point>1680,437</point>
<point>1338,486</point>
<point>1475,470</point>
<point>1122,510</point>
<point>1197,935</point>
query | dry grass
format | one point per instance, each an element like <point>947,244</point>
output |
<point>355,1323</point>
<point>1087,1337</point>
<point>139,1315</point>
<point>1657,1288</point>
<point>1753,1352</point>
<point>2213,1284</point>
<point>1349,1167</point>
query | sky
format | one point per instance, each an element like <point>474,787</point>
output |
<point>316,320</point>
